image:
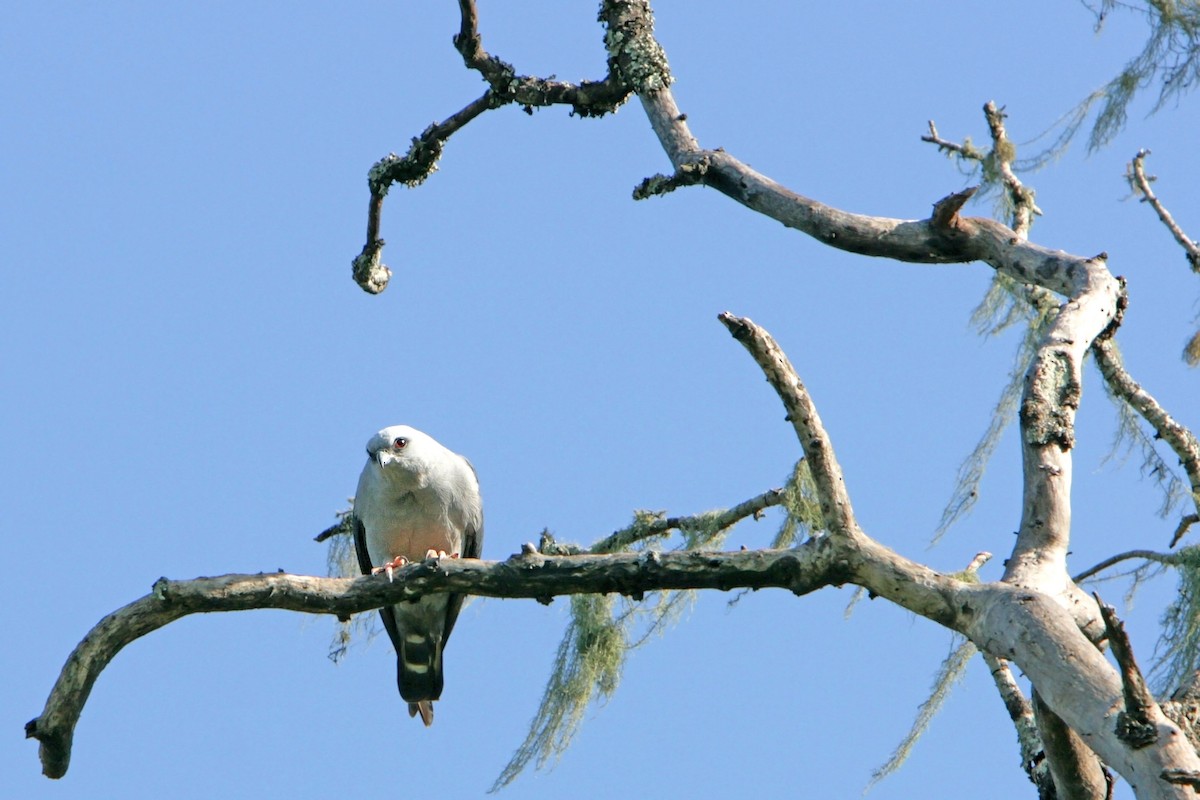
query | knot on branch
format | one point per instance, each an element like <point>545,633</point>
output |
<point>1182,777</point>
<point>417,164</point>
<point>549,546</point>
<point>1136,733</point>
<point>687,175</point>
<point>1135,725</point>
<point>945,211</point>
<point>368,268</point>
<point>1110,329</point>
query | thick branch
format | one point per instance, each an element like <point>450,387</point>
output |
<point>1036,633</point>
<point>1077,683</point>
<point>918,241</point>
<point>527,575</point>
<point>1077,773</point>
<point>1051,396</point>
<point>836,509</point>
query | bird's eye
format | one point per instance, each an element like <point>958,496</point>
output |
<point>400,443</point>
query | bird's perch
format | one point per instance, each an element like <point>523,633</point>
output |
<point>529,574</point>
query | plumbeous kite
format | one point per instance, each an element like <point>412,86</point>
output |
<point>416,500</point>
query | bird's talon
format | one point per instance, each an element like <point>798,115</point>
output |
<point>390,567</point>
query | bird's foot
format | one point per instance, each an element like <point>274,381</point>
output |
<point>395,564</point>
<point>437,554</point>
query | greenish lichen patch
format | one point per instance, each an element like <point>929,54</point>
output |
<point>1051,399</point>
<point>629,39</point>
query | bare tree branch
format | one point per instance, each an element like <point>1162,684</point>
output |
<point>1135,724</point>
<point>586,99</point>
<point>1000,161</point>
<point>802,413</point>
<point>1077,773</point>
<point>965,150</point>
<point>1141,184</point>
<point>1053,387</point>
<point>1148,555</point>
<point>917,241</point>
<point>1182,528</point>
<point>417,164</point>
<point>620,540</point>
<point>528,575</point>
<point>1020,711</point>
<point>1178,437</point>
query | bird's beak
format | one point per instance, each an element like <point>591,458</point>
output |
<point>382,458</point>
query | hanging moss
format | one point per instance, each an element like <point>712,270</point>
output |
<point>1177,655</point>
<point>951,672</point>
<point>586,667</point>
<point>804,516</point>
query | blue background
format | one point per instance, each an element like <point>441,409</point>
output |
<point>190,375</point>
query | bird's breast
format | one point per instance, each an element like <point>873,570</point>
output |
<point>412,541</point>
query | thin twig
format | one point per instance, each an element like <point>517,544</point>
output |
<point>966,150</point>
<point>1000,159</point>
<point>619,540</point>
<point>1020,711</point>
<point>418,163</point>
<point>1181,440</point>
<point>1147,555</point>
<point>1141,185</point>
<point>586,99</point>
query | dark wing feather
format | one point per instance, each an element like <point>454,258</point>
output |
<point>364,564</point>
<point>472,547</point>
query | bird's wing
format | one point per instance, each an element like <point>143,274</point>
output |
<point>471,548</point>
<point>472,544</point>
<point>364,563</point>
<point>360,547</point>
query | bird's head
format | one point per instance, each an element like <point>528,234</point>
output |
<point>399,451</point>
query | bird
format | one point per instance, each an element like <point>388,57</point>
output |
<point>416,500</point>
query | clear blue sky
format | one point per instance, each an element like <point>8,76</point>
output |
<point>190,375</point>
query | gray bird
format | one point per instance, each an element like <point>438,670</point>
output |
<point>416,500</point>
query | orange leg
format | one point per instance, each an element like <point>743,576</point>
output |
<point>394,564</point>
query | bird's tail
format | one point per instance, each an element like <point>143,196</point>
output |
<point>425,709</point>
<point>419,674</point>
